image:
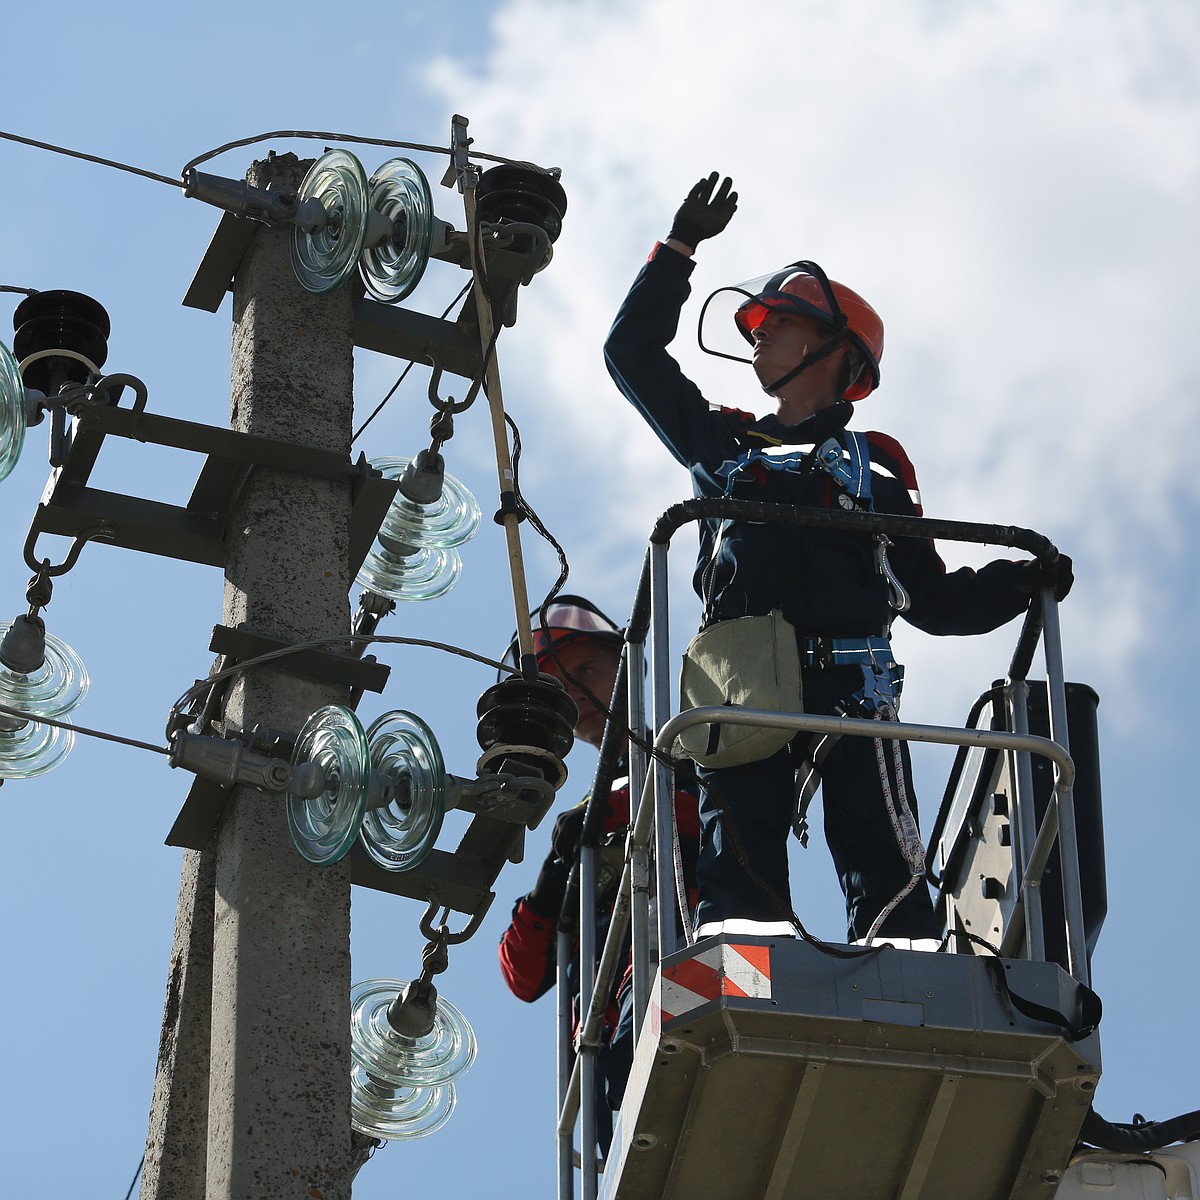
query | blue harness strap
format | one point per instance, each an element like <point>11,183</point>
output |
<point>849,468</point>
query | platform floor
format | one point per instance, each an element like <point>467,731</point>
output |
<point>773,1070</point>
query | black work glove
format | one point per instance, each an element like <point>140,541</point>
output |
<point>546,899</point>
<point>568,829</point>
<point>703,215</point>
<point>1058,575</point>
<point>550,890</point>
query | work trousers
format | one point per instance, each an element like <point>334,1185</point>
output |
<point>746,815</point>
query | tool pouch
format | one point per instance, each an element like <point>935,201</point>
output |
<point>750,662</point>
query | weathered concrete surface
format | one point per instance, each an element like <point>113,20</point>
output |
<point>279,1089</point>
<point>177,1141</point>
<point>277,1075</point>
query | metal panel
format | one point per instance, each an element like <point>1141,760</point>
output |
<point>975,851</point>
<point>797,1092</point>
<point>221,260</point>
<point>406,334</point>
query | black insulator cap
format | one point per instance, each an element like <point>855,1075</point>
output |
<point>59,320</point>
<point>513,193</point>
<point>23,648</point>
<point>527,712</point>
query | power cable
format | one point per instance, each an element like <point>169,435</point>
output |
<point>361,140</point>
<point>404,374</point>
<point>527,510</point>
<point>136,1174</point>
<point>96,733</point>
<point>260,137</point>
<point>203,685</point>
<point>104,162</point>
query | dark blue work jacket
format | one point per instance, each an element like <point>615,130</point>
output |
<point>826,582</point>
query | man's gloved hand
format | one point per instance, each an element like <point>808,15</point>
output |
<point>568,829</point>
<point>546,899</point>
<point>1033,575</point>
<point>548,893</point>
<point>703,215</point>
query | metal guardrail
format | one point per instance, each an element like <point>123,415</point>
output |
<point>652,819</point>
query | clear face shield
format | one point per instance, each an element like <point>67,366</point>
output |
<point>732,313</point>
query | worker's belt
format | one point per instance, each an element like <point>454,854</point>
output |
<point>846,652</point>
<point>882,675</point>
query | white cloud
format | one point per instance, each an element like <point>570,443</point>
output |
<point>1013,186</point>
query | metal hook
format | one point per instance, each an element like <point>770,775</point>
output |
<point>449,405</point>
<point>100,389</point>
<point>98,531</point>
<point>442,933</point>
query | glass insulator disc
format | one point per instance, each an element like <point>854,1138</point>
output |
<point>325,257</point>
<point>393,268</point>
<point>439,1057</point>
<point>323,827</point>
<point>400,835</point>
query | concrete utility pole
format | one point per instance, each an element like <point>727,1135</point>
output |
<point>252,1095</point>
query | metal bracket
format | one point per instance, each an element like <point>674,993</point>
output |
<point>239,645</point>
<point>71,506</point>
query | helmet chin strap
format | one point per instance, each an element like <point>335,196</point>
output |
<point>807,361</point>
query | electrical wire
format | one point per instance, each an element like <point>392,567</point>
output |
<point>404,374</point>
<point>136,1175</point>
<point>527,510</point>
<point>203,685</point>
<point>39,719</point>
<point>261,137</point>
<point>358,139</point>
<point>104,162</point>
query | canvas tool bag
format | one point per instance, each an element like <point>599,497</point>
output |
<point>750,662</point>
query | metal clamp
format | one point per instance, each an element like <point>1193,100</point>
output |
<point>226,762</point>
<point>503,234</point>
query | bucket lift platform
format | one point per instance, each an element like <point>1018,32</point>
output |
<point>769,1069</point>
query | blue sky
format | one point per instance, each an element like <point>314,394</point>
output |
<point>1013,186</point>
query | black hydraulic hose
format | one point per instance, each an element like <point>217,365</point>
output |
<point>612,748</point>
<point>1147,1135</point>
<point>639,618</point>
<point>960,759</point>
<point>1027,643</point>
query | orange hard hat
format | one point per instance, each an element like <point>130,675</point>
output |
<point>802,287</point>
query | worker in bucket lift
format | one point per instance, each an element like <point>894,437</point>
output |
<point>578,645</point>
<point>804,611</point>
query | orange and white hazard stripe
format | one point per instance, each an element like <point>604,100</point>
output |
<point>722,970</point>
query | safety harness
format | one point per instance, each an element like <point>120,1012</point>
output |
<point>878,696</point>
